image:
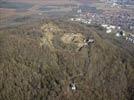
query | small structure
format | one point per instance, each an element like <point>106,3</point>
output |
<point>133,41</point>
<point>78,19</point>
<point>90,41</point>
<point>121,33</point>
<point>85,44</point>
<point>126,38</point>
<point>118,27</point>
<point>130,38</point>
<point>131,27</point>
<point>87,41</point>
<point>40,13</point>
<point>118,35</point>
<point>108,30</point>
<point>112,27</point>
<point>114,5</point>
<point>72,19</point>
<point>79,11</point>
<point>73,86</point>
<point>104,25</point>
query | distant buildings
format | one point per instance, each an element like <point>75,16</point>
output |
<point>121,33</point>
<point>130,38</point>
<point>119,1</point>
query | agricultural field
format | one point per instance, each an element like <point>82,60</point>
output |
<point>16,9</point>
<point>15,5</point>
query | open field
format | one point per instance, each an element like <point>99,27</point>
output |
<point>15,5</point>
<point>16,9</point>
<point>47,2</point>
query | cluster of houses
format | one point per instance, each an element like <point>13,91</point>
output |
<point>115,21</point>
<point>85,21</point>
<point>109,28</point>
<point>123,18</point>
<point>130,38</point>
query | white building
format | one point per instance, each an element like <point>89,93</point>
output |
<point>112,27</point>
<point>79,11</point>
<point>104,25</point>
<point>108,30</point>
<point>118,35</point>
<point>78,19</point>
<point>121,33</point>
<point>72,19</point>
<point>73,86</point>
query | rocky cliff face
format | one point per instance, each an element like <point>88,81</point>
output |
<point>60,63</point>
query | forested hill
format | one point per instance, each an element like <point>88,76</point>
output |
<point>62,61</point>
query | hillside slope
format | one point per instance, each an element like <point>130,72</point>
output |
<point>43,63</point>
